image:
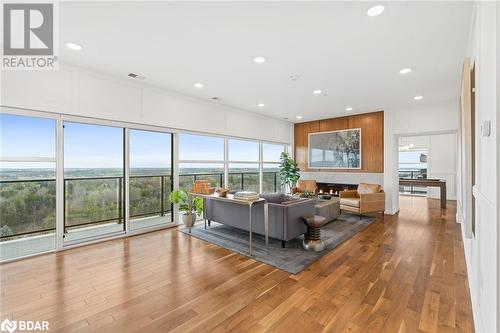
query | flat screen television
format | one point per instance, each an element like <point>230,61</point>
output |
<point>335,149</point>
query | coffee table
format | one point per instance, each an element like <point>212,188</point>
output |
<point>329,209</point>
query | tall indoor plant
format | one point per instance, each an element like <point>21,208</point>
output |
<point>289,171</point>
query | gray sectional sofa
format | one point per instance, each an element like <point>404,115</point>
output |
<point>285,215</point>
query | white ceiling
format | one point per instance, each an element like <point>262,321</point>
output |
<point>333,46</point>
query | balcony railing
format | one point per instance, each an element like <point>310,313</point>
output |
<point>97,200</point>
<point>247,181</point>
<point>413,174</point>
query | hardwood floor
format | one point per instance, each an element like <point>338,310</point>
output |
<point>406,273</point>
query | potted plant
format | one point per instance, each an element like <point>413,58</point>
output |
<point>289,171</point>
<point>180,197</point>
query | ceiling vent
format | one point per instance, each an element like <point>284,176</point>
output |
<point>136,76</point>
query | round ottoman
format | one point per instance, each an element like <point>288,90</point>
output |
<point>312,238</point>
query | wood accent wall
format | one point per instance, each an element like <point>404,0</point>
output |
<point>372,139</point>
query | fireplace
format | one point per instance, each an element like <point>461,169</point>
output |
<point>335,188</point>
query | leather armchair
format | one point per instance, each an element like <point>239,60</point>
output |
<point>306,186</point>
<point>368,198</point>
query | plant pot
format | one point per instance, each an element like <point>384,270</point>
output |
<point>187,219</point>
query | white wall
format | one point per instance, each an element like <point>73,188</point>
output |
<point>76,91</point>
<point>482,249</point>
<point>421,119</point>
<point>442,164</point>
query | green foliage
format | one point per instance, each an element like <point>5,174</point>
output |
<point>180,197</point>
<point>6,231</point>
<point>289,171</point>
<point>307,194</point>
<point>26,207</point>
<point>31,206</point>
<point>198,206</point>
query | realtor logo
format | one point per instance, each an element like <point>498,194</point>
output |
<point>29,39</point>
<point>8,326</point>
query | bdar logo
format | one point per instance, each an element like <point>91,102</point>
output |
<point>8,326</point>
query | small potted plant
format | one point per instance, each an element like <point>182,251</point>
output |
<point>180,197</point>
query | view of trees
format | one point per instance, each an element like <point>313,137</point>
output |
<point>30,205</point>
<point>27,206</point>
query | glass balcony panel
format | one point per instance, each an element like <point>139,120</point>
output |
<point>93,181</point>
<point>243,177</point>
<point>190,172</point>
<point>27,217</point>
<point>271,181</point>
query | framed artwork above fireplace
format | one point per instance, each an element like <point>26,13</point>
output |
<point>339,149</point>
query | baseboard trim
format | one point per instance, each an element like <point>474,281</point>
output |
<point>391,212</point>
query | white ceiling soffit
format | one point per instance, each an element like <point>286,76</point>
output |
<point>331,46</point>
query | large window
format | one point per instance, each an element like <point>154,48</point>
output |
<point>93,181</point>
<point>27,185</point>
<point>271,154</point>
<point>250,165</point>
<point>242,174</point>
<point>150,183</point>
<point>201,157</point>
<point>66,180</point>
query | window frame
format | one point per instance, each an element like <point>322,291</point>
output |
<point>60,118</point>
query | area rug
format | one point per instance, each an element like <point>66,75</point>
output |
<point>293,258</point>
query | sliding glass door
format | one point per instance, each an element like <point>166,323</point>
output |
<point>93,181</point>
<point>27,185</point>
<point>243,157</point>
<point>150,181</point>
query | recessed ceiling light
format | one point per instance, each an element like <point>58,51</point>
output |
<point>259,60</point>
<point>405,71</point>
<point>348,109</point>
<point>299,117</point>
<point>261,105</point>
<point>74,46</point>
<point>198,85</point>
<point>418,98</point>
<point>317,92</point>
<point>375,10</point>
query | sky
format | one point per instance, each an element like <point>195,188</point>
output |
<point>411,160</point>
<point>97,146</point>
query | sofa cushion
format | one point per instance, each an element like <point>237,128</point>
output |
<point>364,188</point>
<point>275,198</point>
<point>293,201</point>
<point>353,202</point>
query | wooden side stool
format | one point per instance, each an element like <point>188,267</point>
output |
<point>312,238</point>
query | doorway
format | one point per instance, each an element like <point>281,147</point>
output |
<point>428,157</point>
